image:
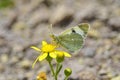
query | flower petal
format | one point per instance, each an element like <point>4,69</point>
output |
<point>35,62</point>
<point>44,43</point>
<point>53,54</point>
<point>35,48</point>
<point>66,54</point>
<point>48,48</point>
<point>43,56</point>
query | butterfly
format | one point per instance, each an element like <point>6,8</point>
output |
<point>73,38</point>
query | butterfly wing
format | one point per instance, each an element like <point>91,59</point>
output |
<point>72,41</point>
<point>73,38</point>
<point>81,29</point>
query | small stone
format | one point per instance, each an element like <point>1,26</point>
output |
<point>81,61</point>
<point>18,48</point>
<point>87,75</point>
<point>103,72</point>
<point>104,78</point>
<point>35,19</point>
<point>86,14</point>
<point>2,41</point>
<point>116,58</point>
<point>2,68</point>
<point>29,74</point>
<point>117,12</point>
<point>114,23</point>
<point>18,26</point>
<point>14,59</point>
<point>117,39</point>
<point>103,14</point>
<point>94,34</point>
<point>97,24</point>
<point>4,58</point>
<point>99,50</point>
<point>89,51</point>
<point>25,78</point>
<point>104,75</point>
<point>5,50</point>
<point>62,15</point>
<point>26,64</point>
<point>116,78</point>
<point>89,62</point>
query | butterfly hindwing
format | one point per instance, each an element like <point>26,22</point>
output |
<point>71,41</point>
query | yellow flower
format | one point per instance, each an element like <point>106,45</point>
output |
<point>61,55</point>
<point>48,50</point>
<point>42,76</point>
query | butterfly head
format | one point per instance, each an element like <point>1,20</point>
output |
<point>54,39</point>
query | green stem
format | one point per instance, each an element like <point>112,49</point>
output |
<point>51,67</point>
<point>57,67</point>
<point>55,77</point>
<point>53,72</point>
<point>66,78</point>
<point>56,73</point>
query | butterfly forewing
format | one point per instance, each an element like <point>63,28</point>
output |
<point>84,27</point>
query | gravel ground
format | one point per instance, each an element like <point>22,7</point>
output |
<point>26,24</point>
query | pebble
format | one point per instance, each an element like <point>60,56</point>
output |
<point>2,41</point>
<point>114,23</point>
<point>89,51</point>
<point>94,34</point>
<point>88,13</point>
<point>97,24</point>
<point>2,68</point>
<point>105,73</point>
<point>87,75</point>
<point>61,15</point>
<point>35,19</point>
<point>117,39</point>
<point>26,64</point>
<point>19,26</point>
<point>4,58</point>
<point>116,78</point>
<point>14,60</point>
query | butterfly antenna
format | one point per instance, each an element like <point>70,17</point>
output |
<point>51,34</point>
<point>51,31</point>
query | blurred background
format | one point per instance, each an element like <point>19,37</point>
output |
<point>25,22</point>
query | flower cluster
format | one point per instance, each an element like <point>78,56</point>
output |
<point>49,51</point>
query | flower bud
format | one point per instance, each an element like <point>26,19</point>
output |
<point>67,72</point>
<point>60,57</point>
